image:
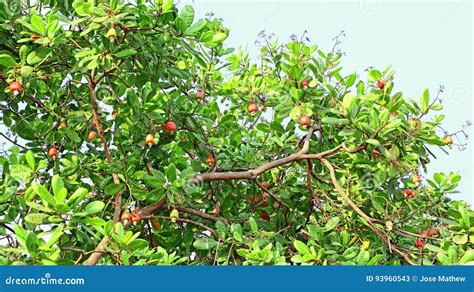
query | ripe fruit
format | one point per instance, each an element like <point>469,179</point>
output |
<point>126,217</point>
<point>174,215</point>
<point>16,87</point>
<point>264,196</point>
<point>114,114</point>
<point>305,121</point>
<point>170,127</point>
<point>304,83</point>
<point>408,192</point>
<point>265,184</point>
<point>416,180</point>
<point>252,108</point>
<point>91,136</point>
<point>200,95</point>
<point>150,140</point>
<point>62,124</point>
<point>419,243</point>
<point>210,159</point>
<point>448,140</point>
<point>381,84</point>
<point>424,233</point>
<point>376,153</point>
<point>52,152</point>
<point>34,36</point>
<point>264,215</point>
<point>217,210</point>
<point>432,232</point>
<point>135,218</point>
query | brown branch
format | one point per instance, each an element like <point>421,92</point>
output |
<point>200,214</point>
<point>252,174</point>
<point>212,231</point>
<point>38,102</point>
<point>280,202</point>
<point>362,214</point>
<point>13,142</point>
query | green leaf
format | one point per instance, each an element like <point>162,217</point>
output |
<point>37,24</point>
<point>334,121</point>
<point>301,247</point>
<point>187,14</point>
<point>94,207</point>
<point>460,239</point>
<point>30,159</point>
<point>125,53</point>
<point>295,113</point>
<point>21,172</point>
<point>166,5</point>
<point>171,172</point>
<point>350,80</point>
<point>138,244</point>
<point>72,135</point>
<point>6,60</point>
<point>219,37</point>
<point>253,225</point>
<point>112,189</point>
<point>331,223</point>
<point>37,218</point>
<point>467,257</point>
<point>77,196</point>
<point>425,99</point>
<point>32,244</point>
<point>347,101</point>
<point>204,243</point>
<point>374,75</point>
<point>363,257</point>
<point>43,193</point>
<point>52,28</point>
<point>57,184</point>
<point>37,56</point>
<point>373,142</point>
<point>196,28</point>
<point>58,231</point>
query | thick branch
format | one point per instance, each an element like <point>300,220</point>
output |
<point>251,174</point>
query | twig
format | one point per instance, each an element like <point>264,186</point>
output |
<point>212,231</point>
<point>362,214</point>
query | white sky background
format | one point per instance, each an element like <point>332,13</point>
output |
<point>428,43</point>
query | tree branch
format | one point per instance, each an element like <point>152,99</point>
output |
<point>362,214</point>
<point>212,231</point>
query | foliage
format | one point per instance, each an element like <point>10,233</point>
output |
<point>227,187</point>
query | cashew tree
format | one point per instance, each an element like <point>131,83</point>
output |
<point>132,135</point>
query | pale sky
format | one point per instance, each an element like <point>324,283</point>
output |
<point>428,43</point>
